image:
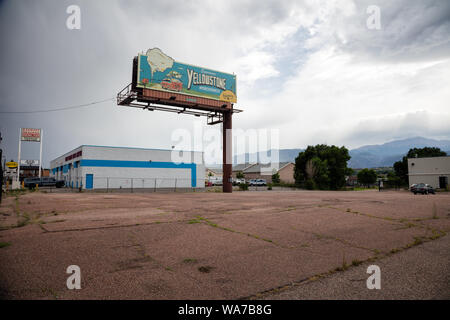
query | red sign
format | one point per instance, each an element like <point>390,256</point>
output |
<point>29,134</point>
<point>73,156</point>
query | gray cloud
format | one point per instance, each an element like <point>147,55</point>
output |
<point>410,30</point>
<point>386,128</point>
<point>45,65</point>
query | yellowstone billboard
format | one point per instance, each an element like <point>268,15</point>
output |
<point>158,71</point>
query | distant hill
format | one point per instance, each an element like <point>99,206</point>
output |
<point>285,155</point>
<point>370,156</point>
<point>384,155</point>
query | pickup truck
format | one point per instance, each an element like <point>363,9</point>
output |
<point>43,182</point>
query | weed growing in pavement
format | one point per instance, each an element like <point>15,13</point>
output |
<point>4,244</point>
<point>356,262</point>
<point>190,260</point>
<point>205,269</point>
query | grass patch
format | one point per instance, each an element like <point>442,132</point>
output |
<point>344,265</point>
<point>4,244</point>
<point>205,269</point>
<point>23,221</point>
<point>304,245</point>
<point>417,241</point>
<point>190,260</point>
<point>356,262</point>
<point>192,221</point>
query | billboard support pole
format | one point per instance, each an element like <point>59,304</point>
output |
<point>40,153</point>
<point>227,185</point>
<point>18,156</point>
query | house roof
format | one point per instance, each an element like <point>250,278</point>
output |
<point>215,170</point>
<point>242,166</point>
<point>256,167</point>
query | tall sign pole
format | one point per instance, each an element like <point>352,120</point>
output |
<point>40,153</point>
<point>227,185</point>
<point>18,156</point>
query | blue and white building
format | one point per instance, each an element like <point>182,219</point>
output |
<point>102,167</point>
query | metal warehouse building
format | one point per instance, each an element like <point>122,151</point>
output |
<point>102,167</point>
<point>434,171</point>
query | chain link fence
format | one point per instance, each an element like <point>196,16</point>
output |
<point>114,184</point>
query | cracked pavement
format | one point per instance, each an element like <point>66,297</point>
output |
<point>245,245</point>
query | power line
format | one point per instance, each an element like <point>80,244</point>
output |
<point>61,108</point>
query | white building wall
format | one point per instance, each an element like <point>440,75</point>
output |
<point>121,174</point>
<point>428,170</point>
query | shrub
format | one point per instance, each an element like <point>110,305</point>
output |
<point>243,186</point>
<point>276,177</point>
<point>310,185</point>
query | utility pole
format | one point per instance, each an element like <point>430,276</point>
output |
<point>1,169</point>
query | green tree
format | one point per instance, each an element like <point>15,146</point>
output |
<point>401,167</point>
<point>393,181</point>
<point>367,177</point>
<point>322,167</point>
<point>276,177</point>
<point>240,175</point>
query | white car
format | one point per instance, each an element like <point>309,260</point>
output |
<point>258,182</point>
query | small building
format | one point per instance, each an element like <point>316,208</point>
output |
<point>213,172</point>
<point>262,171</point>
<point>434,171</point>
<point>103,167</point>
<point>351,181</point>
<point>32,171</point>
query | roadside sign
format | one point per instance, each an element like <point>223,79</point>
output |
<point>12,164</point>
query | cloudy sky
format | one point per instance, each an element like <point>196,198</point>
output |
<point>311,69</point>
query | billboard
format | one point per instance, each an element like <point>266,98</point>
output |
<point>29,163</point>
<point>158,71</point>
<point>30,134</point>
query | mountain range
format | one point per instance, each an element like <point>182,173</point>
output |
<point>369,156</point>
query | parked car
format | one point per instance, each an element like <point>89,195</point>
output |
<point>43,182</point>
<point>238,181</point>
<point>261,182</point>
<point>257,182</point>
<point>216,181</point>
<point>422,188</point>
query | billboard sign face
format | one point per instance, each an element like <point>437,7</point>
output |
<point>29,163</point>
<point>158,71</point>
<point>29,134</point>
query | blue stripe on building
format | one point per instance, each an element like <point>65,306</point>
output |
<point>142,164</point>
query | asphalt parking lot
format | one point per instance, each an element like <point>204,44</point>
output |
<point>207,245</point>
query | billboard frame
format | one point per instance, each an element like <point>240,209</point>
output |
<point>216,111</point>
